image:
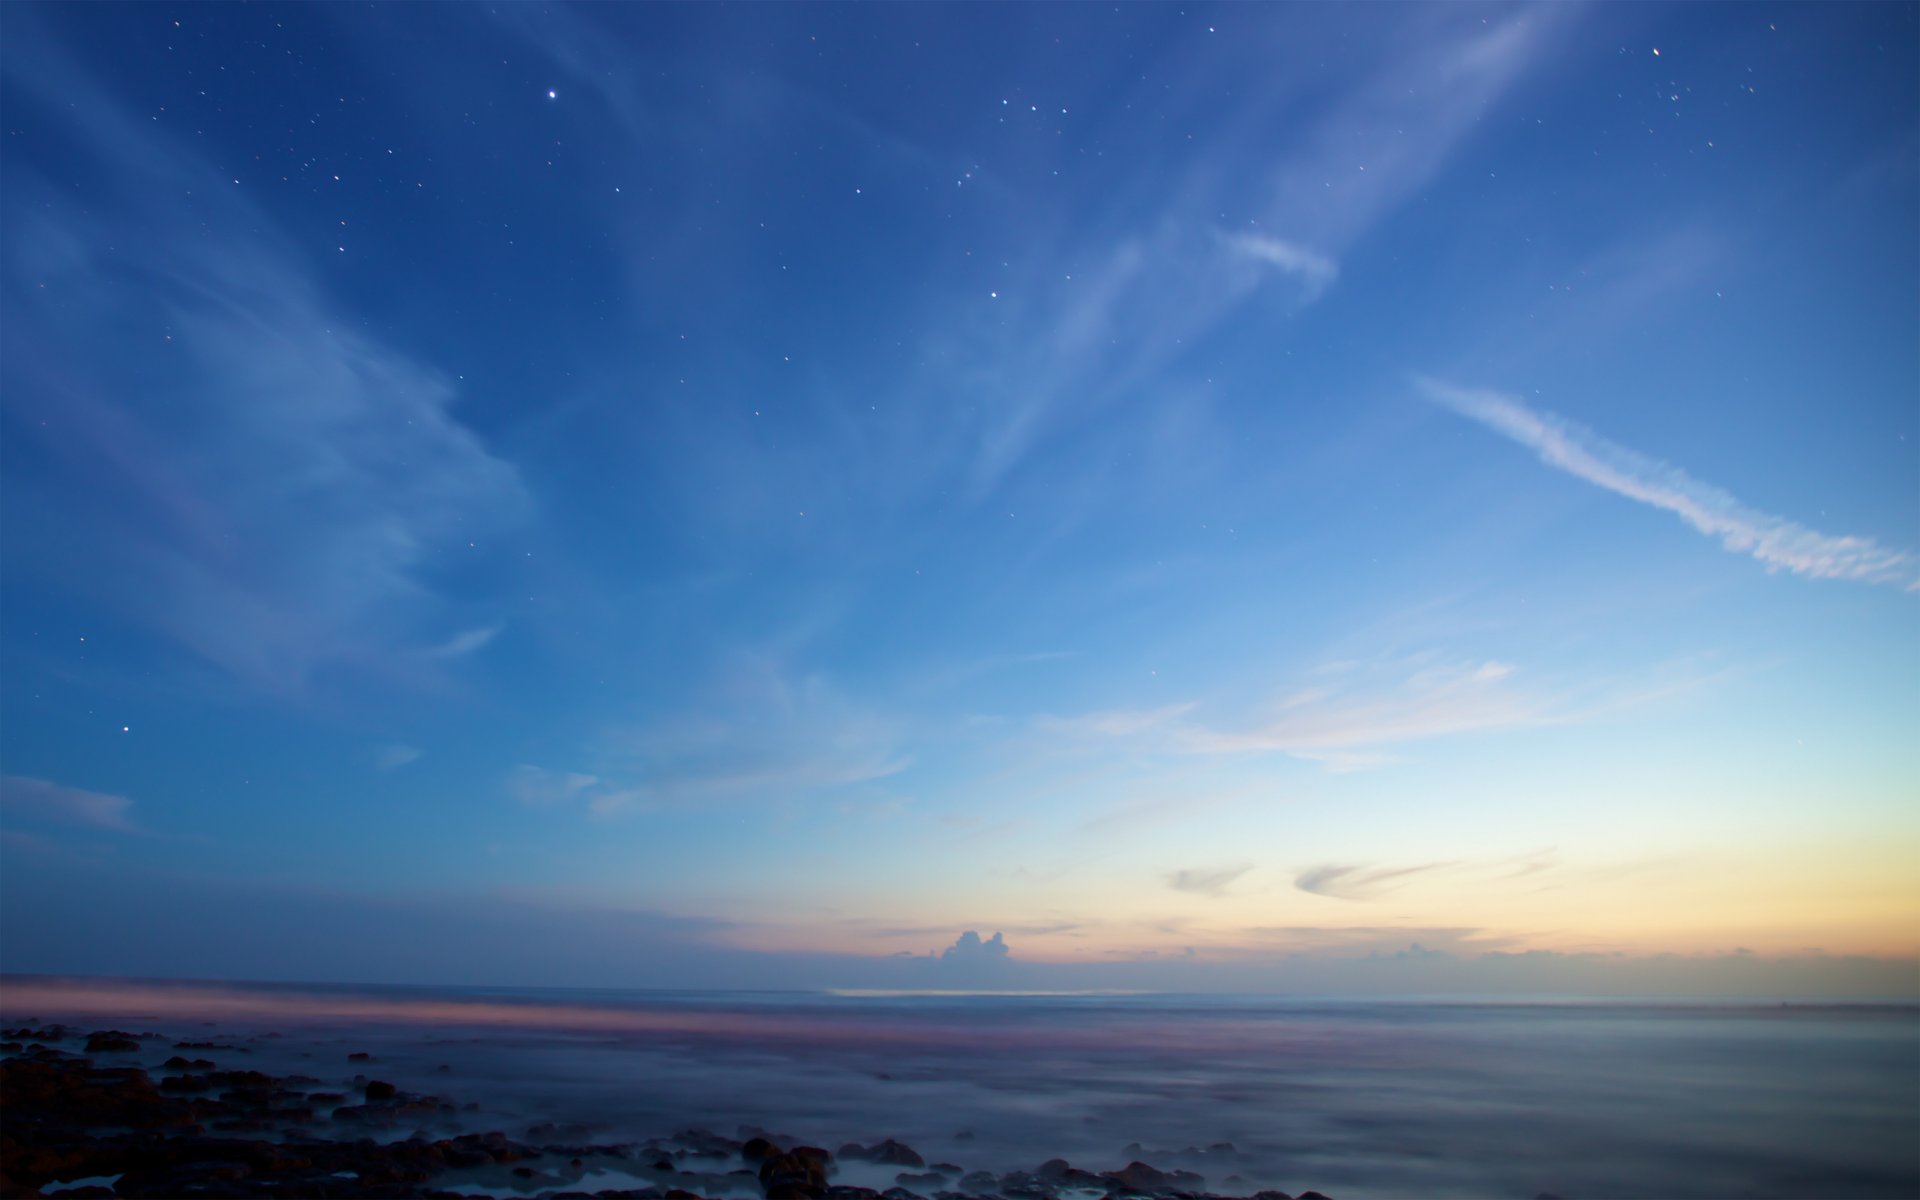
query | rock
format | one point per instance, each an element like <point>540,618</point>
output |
<point>177,1063</point>
<point>1271,1195</point>
<point>759,1150</point>
<point>799,1174</point>
<point>1061,1174</point>
<point>379,1089</point>
<point>888,1153</point>
<point>359,1056</point>
<point>977,1182</point>
<point>111,1043</point>
<point>1139,1179</point>
<point>1311,1195</point>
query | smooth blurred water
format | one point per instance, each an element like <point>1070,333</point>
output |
<point>1361,1098</point>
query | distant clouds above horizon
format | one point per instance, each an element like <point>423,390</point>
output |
<point>813,493</point>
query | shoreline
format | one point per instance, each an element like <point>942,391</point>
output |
<point>75,1122</point>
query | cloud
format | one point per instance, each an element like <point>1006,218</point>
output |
<point>465,642</point>
<point>1341,727</point>
<point>539,787</point>
<point>1357,883</point>
<point>1776,541</point>
<point>39,800</point>
<point>755,731</point>
<point>969,950</point>
<point>1315,271</point>
<point>391,758</point>
<point>257,478</point>
<point>1210,883</point>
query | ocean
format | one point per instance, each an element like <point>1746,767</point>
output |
<point>1357,1098</point>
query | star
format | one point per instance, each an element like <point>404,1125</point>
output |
<point>552,95</point>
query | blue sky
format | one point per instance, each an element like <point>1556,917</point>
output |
<point>760,491</point>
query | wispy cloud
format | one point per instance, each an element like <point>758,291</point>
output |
<point>539,787</point>
<point>465,642</point>
<point>39,800</point>
<point>1315,271</point>
<point>1347,727</point>
<point>1356,882</point>
<point>395,756</point>
<point>1211,883</point>
<point>754,732</point>
<point>263,481</point>
<point>1780,543</point>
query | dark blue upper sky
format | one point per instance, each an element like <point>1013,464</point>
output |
<point>1219,480</point>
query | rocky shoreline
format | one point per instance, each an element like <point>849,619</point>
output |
<point>74,1125</point>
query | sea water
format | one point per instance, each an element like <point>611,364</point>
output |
<point>1356,1098</point>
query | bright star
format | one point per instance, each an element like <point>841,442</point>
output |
<point>552,95</point>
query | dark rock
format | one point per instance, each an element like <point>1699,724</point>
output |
<point>977,1182</point>
<point>359,1056</point>
<point>799,1174</point>
<point>888,1153</point>
<point>1311,1195</point>
<point>759,1150</point>
<point>946,1168</point>
<point>1139,1179</point>
<point>177,1063</point>
<point>380,1089</point>
<point>111,1043</point>
<point>1270,1195</point>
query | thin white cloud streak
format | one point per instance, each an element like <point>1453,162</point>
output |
<point>465,642</point>
<point>1343,729</point>
<point>392,758</point>
<point>1776,541</point>
<point>1315,270</point>
<point>756,733</point>
<point>1160,286</point>
<point>28,799</point>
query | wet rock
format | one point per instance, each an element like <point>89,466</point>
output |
<point>977,1182</point>
<point>1139,1179</point>
<point>1311,1195</point>
<point>380,1089</point>
<point>799,1174</point>
<point>759,1150</point>
<point>1271,1195</point>
<point>926,1179</point>
<point>1062,1174</point>
<point>111,1042</point>
<point>177,1063</point>
<point>888,1153</point>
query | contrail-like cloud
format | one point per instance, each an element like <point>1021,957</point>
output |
<point>1779,543</point>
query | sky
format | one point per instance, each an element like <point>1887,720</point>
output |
<point>1372,497</point>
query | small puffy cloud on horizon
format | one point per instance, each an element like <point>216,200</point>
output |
<point>969,948</point>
